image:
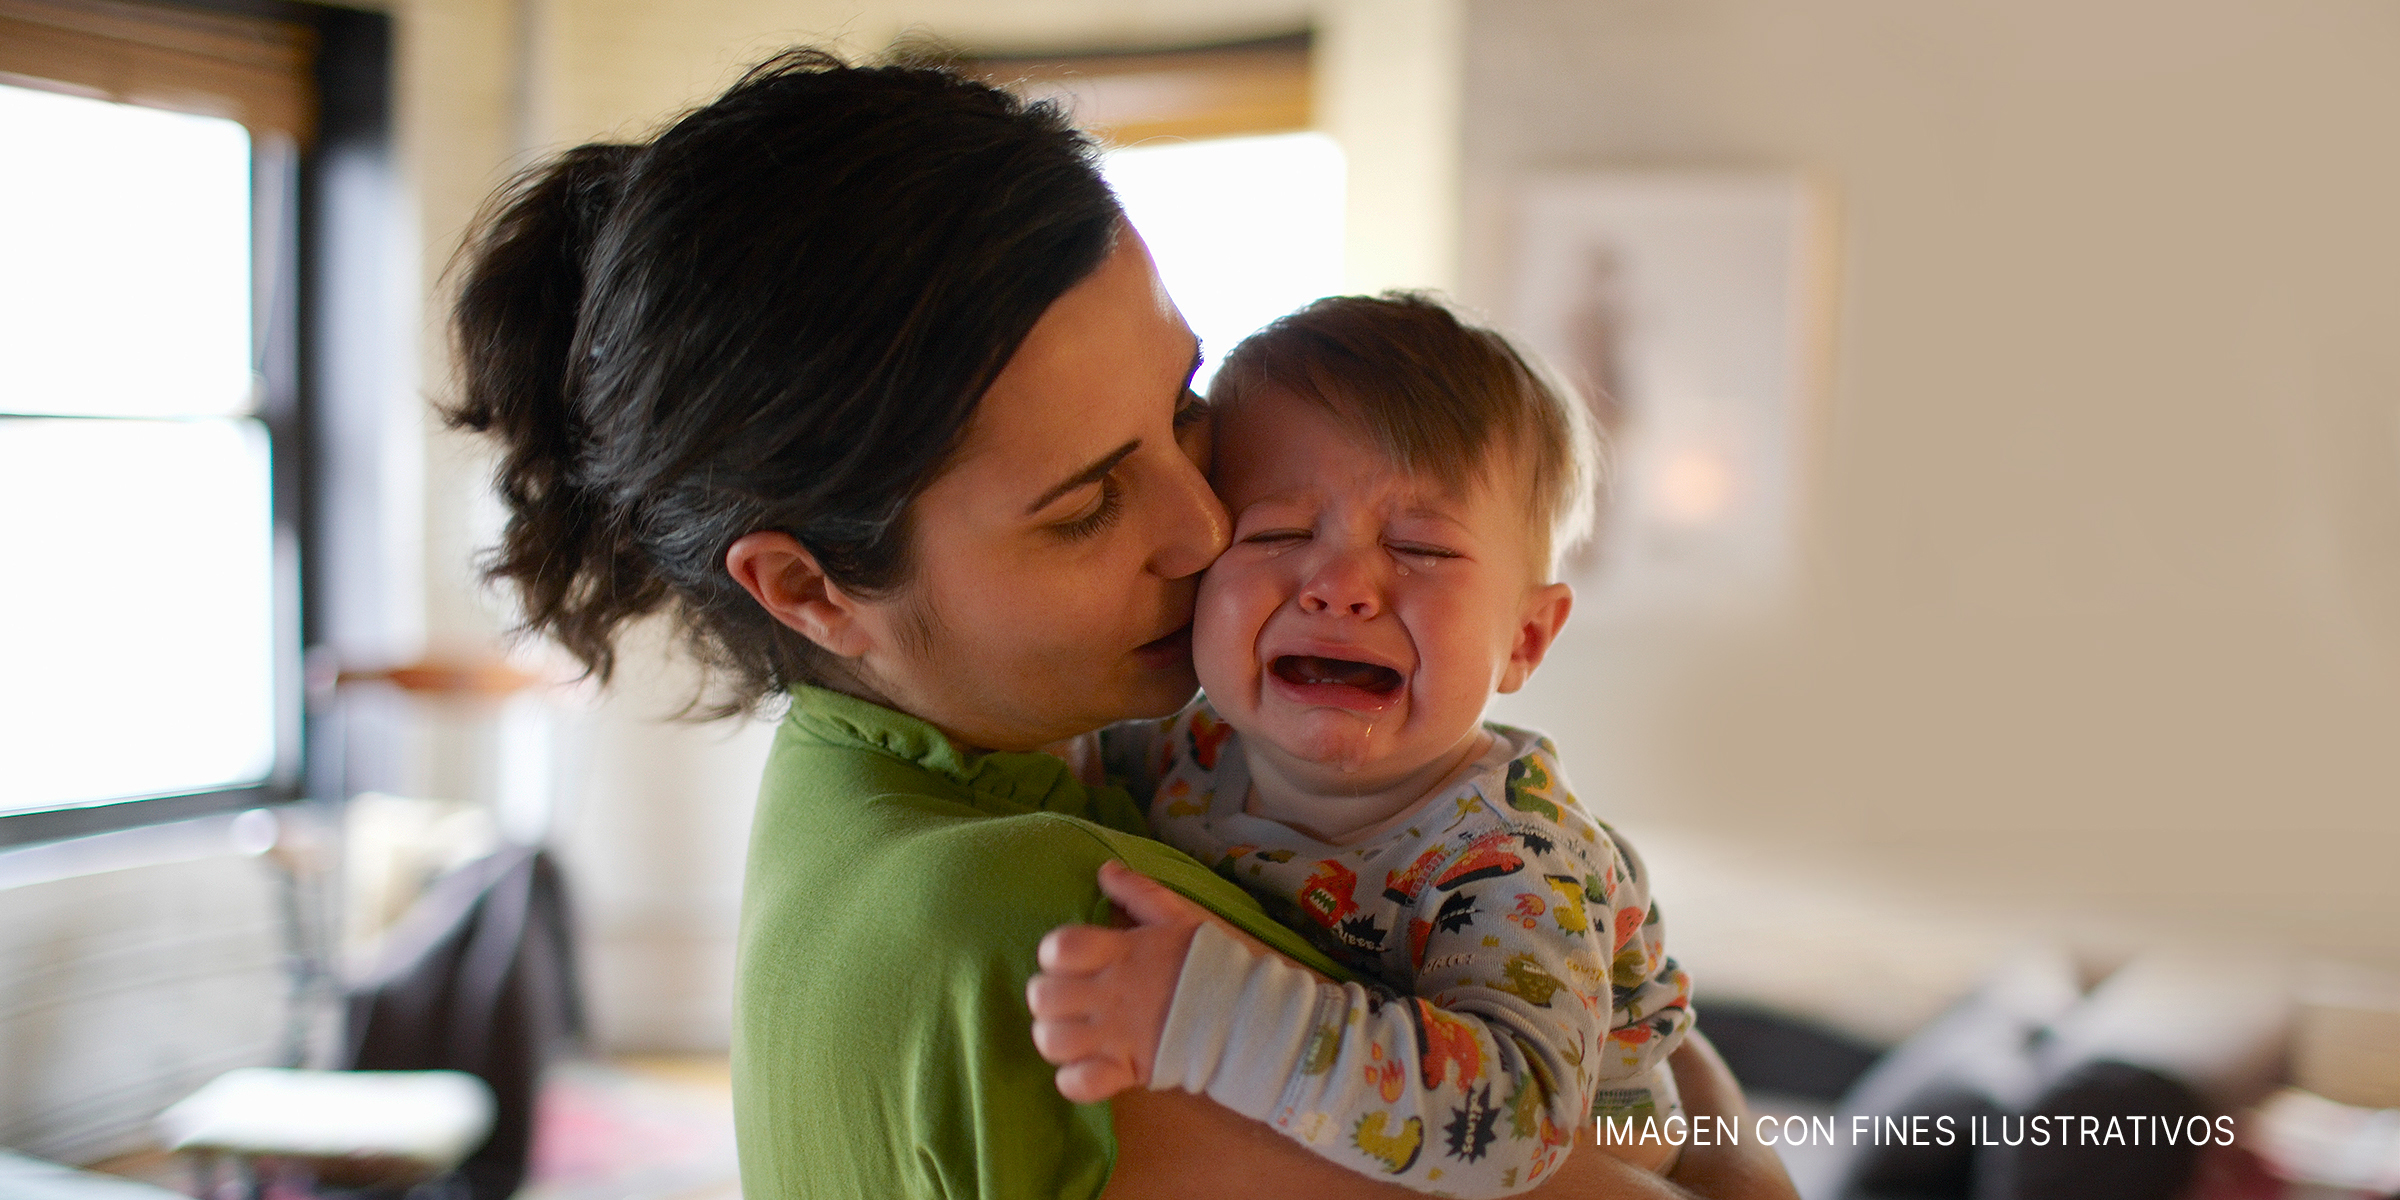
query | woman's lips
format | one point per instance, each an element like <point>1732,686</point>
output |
<point>1173,650</point>
<point>1323,682</point>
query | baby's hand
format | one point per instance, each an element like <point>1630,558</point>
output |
<point>1100,1001</point>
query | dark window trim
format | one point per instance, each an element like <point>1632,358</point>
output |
<point>351,73</point>
<point>1127,96</point>
<point>109,816</point>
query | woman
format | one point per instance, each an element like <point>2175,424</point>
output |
<point>860,373</point>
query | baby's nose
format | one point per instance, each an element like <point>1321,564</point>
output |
<point>1342,587</point>
<point>1315,603</point>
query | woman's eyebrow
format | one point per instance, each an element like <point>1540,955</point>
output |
<point>1102,466</point>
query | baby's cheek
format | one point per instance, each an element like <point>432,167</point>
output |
<point>1461,649</point>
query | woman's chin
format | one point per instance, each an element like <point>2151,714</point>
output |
<point>1172,652</point>
<point>1162,679</point>
<point>1161,691</point>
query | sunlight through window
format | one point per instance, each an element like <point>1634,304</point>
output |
<point>137,634</point>
<point>1243,229</point>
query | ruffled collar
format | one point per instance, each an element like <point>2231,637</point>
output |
<point>1002,783</point>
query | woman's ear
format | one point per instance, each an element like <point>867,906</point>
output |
<point>784,578</point>
<point>1545,613</point>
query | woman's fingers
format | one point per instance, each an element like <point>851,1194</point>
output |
<point>1146,900</point>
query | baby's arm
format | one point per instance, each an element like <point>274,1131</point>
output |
<point>1480,1096</point>
<point>1648,987</point>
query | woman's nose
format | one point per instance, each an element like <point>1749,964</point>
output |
<point>1344,584</point>
<point>1193,528</point>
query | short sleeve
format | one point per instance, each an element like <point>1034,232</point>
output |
<point>882,1037</point>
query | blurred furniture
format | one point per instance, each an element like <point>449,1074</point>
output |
<point>23,1178</point>
<point>445,1043</point>
<point>472,729</point>
<point>1783,1055</point>
<point>2348,1044</point>
<point>477,974</point>
<point>394,1130</point>
<point>478,977</point>
<point>2163,1042</point>
<point>2310,1139</point>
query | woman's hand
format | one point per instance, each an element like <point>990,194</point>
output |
<point>1748,1169</point>
<point>1100,1001</point>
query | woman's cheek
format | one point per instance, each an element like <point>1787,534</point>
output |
<point>1088,596</point>
<point>1223,626</point>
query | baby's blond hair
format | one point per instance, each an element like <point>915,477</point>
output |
<point>1435,394</point>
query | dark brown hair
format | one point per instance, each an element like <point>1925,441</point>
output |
<point>1436,395</point>
<point>778,314</point>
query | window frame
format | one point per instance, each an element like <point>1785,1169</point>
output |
<point>1125,97</point>
<point>313,84</point>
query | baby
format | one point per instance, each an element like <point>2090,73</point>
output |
<point>1400,484</point>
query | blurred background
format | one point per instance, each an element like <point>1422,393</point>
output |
<point>2004,549</point>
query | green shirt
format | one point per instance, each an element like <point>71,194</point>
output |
<point>896,892</point>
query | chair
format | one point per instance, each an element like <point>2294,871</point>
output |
<point>478,977</point>
<point>446,1042</point>
<point>398,1131</point>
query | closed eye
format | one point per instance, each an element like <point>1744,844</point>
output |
<point>1103,512</point>
<point>1420,550</point>
<point>1276,537</point>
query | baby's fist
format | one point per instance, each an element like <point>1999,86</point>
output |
<point>1101,999</point>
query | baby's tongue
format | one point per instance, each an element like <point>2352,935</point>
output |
<point>1310,669</point>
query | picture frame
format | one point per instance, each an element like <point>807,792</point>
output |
<point>1693,310</point>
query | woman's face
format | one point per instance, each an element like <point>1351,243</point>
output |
<point>1056,558</point>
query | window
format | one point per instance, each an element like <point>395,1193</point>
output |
<point>1210,151</point>
<point>135,473</point>
<point>152,458</point>
<point>1243,229</point>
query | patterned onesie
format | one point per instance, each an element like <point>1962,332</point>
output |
<point>1528,987</point>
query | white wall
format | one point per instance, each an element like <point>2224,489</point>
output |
<point>2102,543</point>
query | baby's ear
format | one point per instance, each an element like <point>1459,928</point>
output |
<point>1544,614</point>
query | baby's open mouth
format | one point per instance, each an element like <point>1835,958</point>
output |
<point>1306,669</point>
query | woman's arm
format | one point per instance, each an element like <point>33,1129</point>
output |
<point>1176,1144</point>
<point>1748,1169</point>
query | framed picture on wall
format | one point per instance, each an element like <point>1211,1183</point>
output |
<point>1693,308</point>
